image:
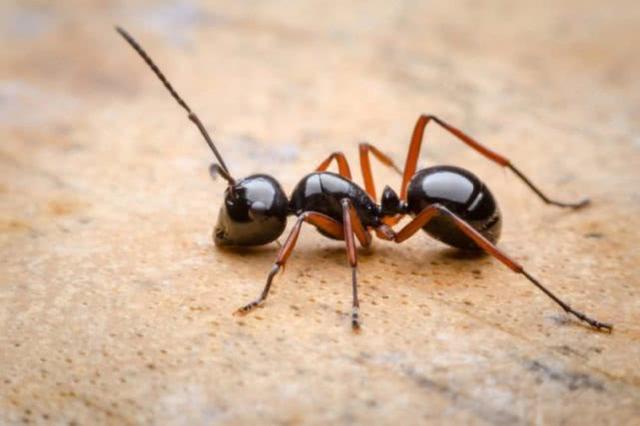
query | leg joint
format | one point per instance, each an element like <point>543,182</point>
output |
<point>428,117</point>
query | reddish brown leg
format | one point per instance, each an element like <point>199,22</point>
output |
<point>351,226</point>
<point>365,165</point>
<point>414,151</point>
<point>343,165</point>
<point>363,236</point>
<point>326,223</point>
<point>429,212</point>
<point>367,175</point>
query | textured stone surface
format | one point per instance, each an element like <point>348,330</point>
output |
<point>115,307</point>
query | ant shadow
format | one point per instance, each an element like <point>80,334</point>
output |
<point>381,256</point>
<point>310,254</point>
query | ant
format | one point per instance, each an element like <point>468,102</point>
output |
<point>449,203</point>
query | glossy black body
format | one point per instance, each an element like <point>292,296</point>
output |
<point>322,192</point>
<point>255,209</point>
<point>462,193</point>
<point>254,212</point>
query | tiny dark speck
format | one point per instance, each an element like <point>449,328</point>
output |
<point>596,235</point>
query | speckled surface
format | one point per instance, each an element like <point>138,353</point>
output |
<point>116,308</point>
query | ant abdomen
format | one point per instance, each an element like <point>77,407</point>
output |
<point>463,194</point>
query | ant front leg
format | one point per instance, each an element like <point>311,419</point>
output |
<point>327,224</point>
<point>352,225</point>
<point>431,211</point>
<point>414,151</point>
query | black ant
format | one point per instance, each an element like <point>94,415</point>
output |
<point>449,203</point>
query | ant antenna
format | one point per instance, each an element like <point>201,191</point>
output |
<point>192,116</point>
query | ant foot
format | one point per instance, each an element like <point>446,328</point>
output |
<point>600,326</point>
<point>355,321</point>
<point>581,204</point>
<point>574,206</point>
<point>248,307</point>
<point>603,326</point>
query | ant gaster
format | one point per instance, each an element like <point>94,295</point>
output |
<point>449,203</point>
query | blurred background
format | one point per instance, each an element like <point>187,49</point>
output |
<point>115,307</point>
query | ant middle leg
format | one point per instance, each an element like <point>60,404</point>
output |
<point>414,151</point>
<point>435,209</point>
<point>353,226</point>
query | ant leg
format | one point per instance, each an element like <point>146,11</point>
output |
<point>352,225</point>
<point>429,212</point>
<point>414,151</point>
<point>327,224</point>
<point>361,233</point>
<point>365,165</point>
<point>343,165</point>
<point>367,175</point>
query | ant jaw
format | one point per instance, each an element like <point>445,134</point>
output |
<point>220,237</point>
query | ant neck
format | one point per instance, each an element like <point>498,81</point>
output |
<point>390,204</point>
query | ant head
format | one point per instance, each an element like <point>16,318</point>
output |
<point>390,204</point>
<point>254,212</point>
<point>255,208</point>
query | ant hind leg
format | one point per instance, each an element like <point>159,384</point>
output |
<point>416,143</point>
<point>435,209</point>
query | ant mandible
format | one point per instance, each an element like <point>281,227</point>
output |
<point>449,203</point>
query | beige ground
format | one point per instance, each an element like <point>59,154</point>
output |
<point>115,307</point>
